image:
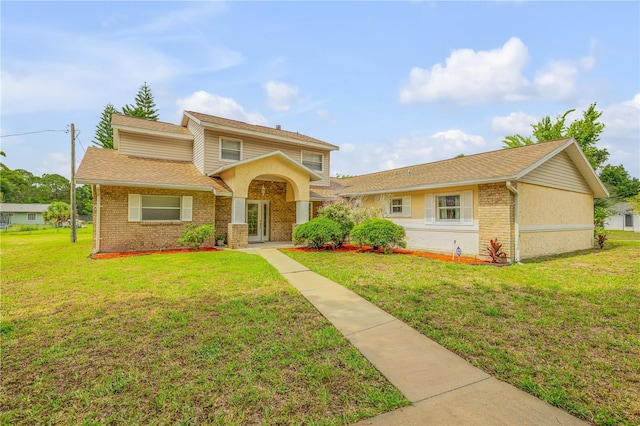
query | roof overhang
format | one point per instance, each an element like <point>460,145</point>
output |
<point>313,176</point>
<point>258,134</point>
<point>152,185</point>
<point>429,186</point>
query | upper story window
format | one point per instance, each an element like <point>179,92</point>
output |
<point>230,149</point>
<point>313,161</point>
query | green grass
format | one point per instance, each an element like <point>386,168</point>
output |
<point>215,338</point>
<point>624,235</point>
<point>566,328</point>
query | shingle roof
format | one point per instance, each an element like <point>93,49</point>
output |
<point>141,123</point>
<point>256,128</point>
<point>327,192</point>
<point>106,166</point>
<point>504,163</point>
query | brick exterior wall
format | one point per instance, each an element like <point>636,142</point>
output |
<point>117,234</point>
<point>495,217</point>
<point>223,214</point>
<point>238,235</point>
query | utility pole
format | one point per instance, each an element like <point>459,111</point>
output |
<point>73,183</point>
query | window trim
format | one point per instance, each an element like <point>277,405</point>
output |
<point>458,207</point>
<point>432,216</point>
<point>135,208</point>
<point>224,138</point>
<point>30,215</point>
<point>302,153</point>
<point>405,206</point>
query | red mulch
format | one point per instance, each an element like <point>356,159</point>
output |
<point>147,252</point>
<point>348,248</point>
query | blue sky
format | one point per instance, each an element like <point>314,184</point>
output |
<point>391,83</point>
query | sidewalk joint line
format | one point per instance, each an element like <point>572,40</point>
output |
<point>453,390</point>
<point>295,272</point>
<point>372,327</point>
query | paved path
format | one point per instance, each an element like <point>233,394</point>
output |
<point>444,388</point>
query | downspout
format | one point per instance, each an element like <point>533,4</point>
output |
<point>96,222</point>
<point>516,221</point>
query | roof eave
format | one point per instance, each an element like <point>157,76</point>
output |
<point>430,186</point>
<point>150,132</point>
<point>327,147</point>
<point>104,182</point>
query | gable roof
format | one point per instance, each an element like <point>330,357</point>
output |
<point>23,208</point>
<point>255,130</point>
<point>487,167</point>
<point>108,167</point>
<point>312,175</point>
<point>121,121</point>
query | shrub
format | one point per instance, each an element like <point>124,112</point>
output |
<point>318,232</point>
<point>494,250</point>
<point>194,237</point>
<point>342,213</point>
<point>378,233</point>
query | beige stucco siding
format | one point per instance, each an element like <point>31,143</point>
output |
<point>149,146</point>
<point>553,220</point>
<point>558,172</point>
<point>254,147</point>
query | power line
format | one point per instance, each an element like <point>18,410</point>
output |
<point>30,133</point>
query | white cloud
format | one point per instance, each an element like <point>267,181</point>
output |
<point>621,135</point>
<point>557,81</point>
<point>471,77</point>
<point>404,151</point>
<point>280,96</point>
<point>326,116</point>
<point>208,103</point>
<point>516,122</point>
<point>623,118</point>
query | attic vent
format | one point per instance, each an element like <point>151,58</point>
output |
<point>409,172</point>
<point>278,127</point>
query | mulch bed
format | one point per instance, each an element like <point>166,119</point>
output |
<point>348,248</point>
<point>148,252</point>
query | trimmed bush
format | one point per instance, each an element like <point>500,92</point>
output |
<point>318,232</point>
<point>194,237</point>
<point>378,233</point>
<point>341,213</point>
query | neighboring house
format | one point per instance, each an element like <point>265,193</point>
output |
<point>257,183</point>
<point>23,214</point>
<point>623,218</point>
<point>536,199</point>
<point>254,183</point>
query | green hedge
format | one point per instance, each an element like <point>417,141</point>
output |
<point>318,232</point>
<point>378,233</point>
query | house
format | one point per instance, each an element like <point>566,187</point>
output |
<point>256,183</point>
<point>22,214</point>
<point>536,199</point>
<point>623,218</point>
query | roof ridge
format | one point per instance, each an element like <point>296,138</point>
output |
<point>146,119</point>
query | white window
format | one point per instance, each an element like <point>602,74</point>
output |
<point>313,161</point>
<point>399,206</point>
<point>453,208</point>
<point>230,149</point>
<point>159,208</point>
<point>31,216</point>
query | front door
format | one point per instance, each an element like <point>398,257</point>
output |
<point>258,220</point>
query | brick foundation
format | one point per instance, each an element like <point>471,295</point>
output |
<point>495,217</point>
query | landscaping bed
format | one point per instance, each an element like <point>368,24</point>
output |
<point>116,255</point>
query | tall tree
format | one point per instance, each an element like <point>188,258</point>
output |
<point>586,131</point>
<point>618,181</point>
<point>144,107</point>
<point>104,131</point>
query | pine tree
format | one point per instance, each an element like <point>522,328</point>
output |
<point>144,107</point>
<point>104,131</point>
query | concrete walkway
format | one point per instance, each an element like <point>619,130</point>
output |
<point>444,388</point>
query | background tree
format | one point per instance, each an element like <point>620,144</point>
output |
<point>586,131</point>
<point>53,187</point>
<point>618,181</point>
<point>2,165</point>
<point>104,131</point>
<point>58,212</point>
<point>635,203</point>
<point>84,200</point>
<point>144,107</point>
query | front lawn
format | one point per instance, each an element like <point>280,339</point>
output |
<point>216,337</point>
<point>566,329</point>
